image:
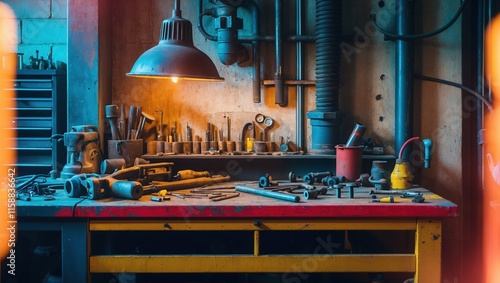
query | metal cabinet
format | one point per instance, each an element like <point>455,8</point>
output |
<point>41,103</point>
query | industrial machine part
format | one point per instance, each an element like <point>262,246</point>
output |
<point>332,180</point>
<point>356,135</point>
<point>314,193</point>
<point>266,181</point>
<point>418,199</point>
<point>364,179</point>
<point>128,182</point>
<point>338,189</point>
<point>350,186</point>
<point>326,119</point>
<point>276,195</point>
<point>83,154</point>
<point>312,177</point>
<point>227,24</point>
<point>74,186</point>
<point>112,116</point>
<point>401,176</point>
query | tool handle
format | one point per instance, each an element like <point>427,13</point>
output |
<point>112,116</point>
<point>276,195</point>
<point>131,121</point>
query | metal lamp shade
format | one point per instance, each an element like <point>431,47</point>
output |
<point>175,56</point>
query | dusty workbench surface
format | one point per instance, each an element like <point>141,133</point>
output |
<point>243,206</point>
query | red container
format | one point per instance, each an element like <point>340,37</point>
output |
<point>349,161</point>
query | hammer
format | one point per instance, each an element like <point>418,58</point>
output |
<point>145,117</point>
<point>112,116</point>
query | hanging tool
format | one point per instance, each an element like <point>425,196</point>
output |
<point>112,116</point>
<point>264,123</point>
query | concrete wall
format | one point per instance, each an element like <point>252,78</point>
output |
<point>42,25</point>
<point>366,73</point>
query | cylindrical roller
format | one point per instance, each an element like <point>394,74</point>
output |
<point>127,189</point>
<point>276,195</point>
<point>111,165</point>
<point>309,194</point>
<point>73,187</point>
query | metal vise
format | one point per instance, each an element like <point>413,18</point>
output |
<point>83,153</point>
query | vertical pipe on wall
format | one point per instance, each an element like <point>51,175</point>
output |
<point>279,82</point>
<point>327,118</point>
<point>404,73</point>
<point>254,10</point>
<point>299,76</point>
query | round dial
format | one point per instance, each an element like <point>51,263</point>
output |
<point>268,122</point>
<point>259,118</point>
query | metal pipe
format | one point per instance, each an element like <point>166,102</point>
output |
<point>279,95</point>
<point>327,118</point>
<point>262,192</point>
<point>299,114</point>
<point>254,9</point>
<point>405,21</point>
<point>294,37</point>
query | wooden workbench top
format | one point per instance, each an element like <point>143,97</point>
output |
<point>244,206</point>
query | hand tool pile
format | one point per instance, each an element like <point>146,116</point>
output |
<point>127,128</point>
<point>309,186</point>
<point>211,193</point>
<point>136,181</point>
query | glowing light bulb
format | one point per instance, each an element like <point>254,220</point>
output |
<point>175,79</point>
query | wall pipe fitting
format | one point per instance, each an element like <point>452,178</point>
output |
<point>254,10</point>
<point>279,81</point>
<point>299,57</point>
<point>326,119</point>
<point>404,74</point>
<point>232,40</point>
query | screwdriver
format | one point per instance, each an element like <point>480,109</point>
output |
<point>389,199</point>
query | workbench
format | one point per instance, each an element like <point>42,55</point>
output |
<point>248,221</point>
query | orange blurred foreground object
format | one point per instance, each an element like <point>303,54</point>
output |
<point>8,59</point>
<point>491,193</point>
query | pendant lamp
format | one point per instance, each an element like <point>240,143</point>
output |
<point>175,56</point>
